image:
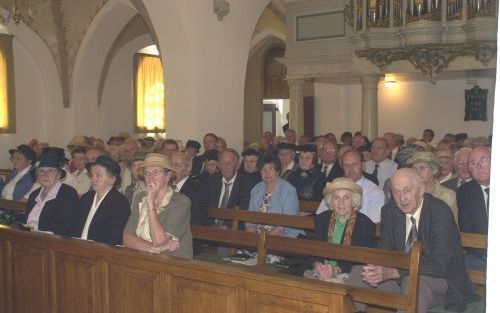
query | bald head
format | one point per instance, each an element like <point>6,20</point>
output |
<point>182,165</point>
<point>407,190</point>
<point>479,164</point>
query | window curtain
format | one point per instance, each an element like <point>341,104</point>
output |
<point>149,94</point>
<point>7,105</point>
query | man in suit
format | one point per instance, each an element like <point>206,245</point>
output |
<point>415,215</point>
<point>473,200</point>
<point>186,185</point>
<point>330,167</point>
<point>229,188</point>
<point>380,166</point>
<point>460,159</point>
<point>393,144</point>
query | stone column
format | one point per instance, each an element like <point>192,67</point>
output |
<point>297,105</point>
<point>369,106</point>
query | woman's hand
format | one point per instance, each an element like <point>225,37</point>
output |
<point>170,246</point>
<point>152,192</point>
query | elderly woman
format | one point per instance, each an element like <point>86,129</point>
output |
<point>342,225</point>
<point>160,219</point>
<point>103,211</point>
<point>18,183</point>
<point>427,166</point>
<point>273,195</point>
<point>308,179</point>
<point>51,207</point>
<point>446,169</point>
<point>249,165</point>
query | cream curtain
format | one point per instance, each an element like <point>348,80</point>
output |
<point>149,94</point>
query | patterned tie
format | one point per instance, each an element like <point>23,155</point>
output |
<point>325,169</point>
<point>375,171</point>
<point>225,197</point>
<point>412,236</point>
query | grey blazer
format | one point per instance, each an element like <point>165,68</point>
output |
<point>175,219</point>
<point>442,254</point>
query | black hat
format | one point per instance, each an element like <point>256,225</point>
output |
<point>460,136</point>
<point>211,155</point>
<point>286,146</point>
<point>59,152</point>
<point>307,148</point>
<point>193,144</point>
<point>111,166</point>
<point>52,160</point>
<point>251,151</point>
<point>139,155</point>
<point>25,150</point>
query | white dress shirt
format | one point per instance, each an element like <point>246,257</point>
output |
<point>224,187</point>
<point>93,209</point>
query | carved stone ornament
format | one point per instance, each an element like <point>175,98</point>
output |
<point>430,59</point>
<point>221,8</point>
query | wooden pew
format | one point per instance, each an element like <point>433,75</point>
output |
<point>478,241</point>
<point>306,206</point>
<point>45,273</point>
<point>4,172</point>
<point>264,243</point>
<point>12,205</point>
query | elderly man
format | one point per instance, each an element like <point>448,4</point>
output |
<point>393,144</point>
<point>229,188</point>
<point>373,196</point>
<point>291,136</point>
<point>81,176</point>
<point>415,215</point>
<point>460,159</point>
<point>380,166</point>
<point>187,186</point>
<point>209,143</point>
<point>473,202</point>
<point>329,166</point>
<point>169,147</point>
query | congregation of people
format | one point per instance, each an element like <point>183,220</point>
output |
<point>146,193</point>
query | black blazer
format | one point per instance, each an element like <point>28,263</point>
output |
<point>442,254</point>
<point>451,183</point>
<point>199,201</point>
<point>472,214</point>
<point>57,214</point>
<point>335,172</point>
<point>240,193</point>
<point>363,234</point>
<point>109,220</point>
<point>197,165</point>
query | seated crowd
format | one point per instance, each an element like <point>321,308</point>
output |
<point>145,193</point>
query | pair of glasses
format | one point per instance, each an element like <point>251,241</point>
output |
<point>153,172</point>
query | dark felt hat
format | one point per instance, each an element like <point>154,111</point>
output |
<point>307,148</point>
<point>26,151</point>
<point>105,161</point>
<point>251,151</point>
<point>52,160</point>
<point>193,144</point>
<point>211,155</point>
<point>286,146</point>
<point>59,152</point>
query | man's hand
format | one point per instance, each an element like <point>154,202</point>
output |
<point>375,274</point>
<point>325,271</point>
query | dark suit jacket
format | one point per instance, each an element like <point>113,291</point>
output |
<point>335,172</point>
<point>451,183</point>
<point>109,220</point>
<point>363,234</point>
<point>472,214</point>
<point>199,201</point>
<point>22,186</point>
<point>57,214</point>
<point>442,254</point>
<point>240,193</point>
<point>371,177</point>
<point>197,165</point>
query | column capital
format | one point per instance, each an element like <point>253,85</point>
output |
<point>296,82</point>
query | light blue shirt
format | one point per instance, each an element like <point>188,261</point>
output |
<point>284,201</point>
<point>385,170</point>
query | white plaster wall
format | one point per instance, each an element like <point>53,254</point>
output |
<point>31,104</point>
<point>408,109</point>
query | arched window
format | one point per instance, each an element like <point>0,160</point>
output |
<point>149,94</point>
<point>7,90</point>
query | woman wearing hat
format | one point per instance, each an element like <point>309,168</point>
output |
<point>103,211</point>
<point>19,182</point>
<point>427,166</point>
<point>308,179</point>
<point>249,165</point>
<point>342,224</point>
<point>273,195</point>
<point>160,219</point>
<point>51,207</point>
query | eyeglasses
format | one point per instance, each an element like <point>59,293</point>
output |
<point>481,162</point>
<point>328,150</point>
<point>153,172</point>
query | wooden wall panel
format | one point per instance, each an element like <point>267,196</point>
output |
<point>30,290</point>
<point>76,284</point>
<point>268,303</point>
<point>133,290</point>
<point>190,295</point>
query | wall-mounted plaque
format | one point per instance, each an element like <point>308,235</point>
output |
<point>476,100</point>
<point>325,25</point>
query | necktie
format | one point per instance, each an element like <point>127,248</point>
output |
<point>412,236</point>
<point>375,171</point>
<point>460,182</point>
<point>487,190</point>
<point>225,197</point>
<point>325,169</point>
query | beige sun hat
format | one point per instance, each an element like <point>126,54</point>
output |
<point>342,183</point>
<point>425,157</point>
<point>78,141</point>
<point>444,154</point>
<point>158,160</point>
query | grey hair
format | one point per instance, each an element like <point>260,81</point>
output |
<point>356,199</point>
